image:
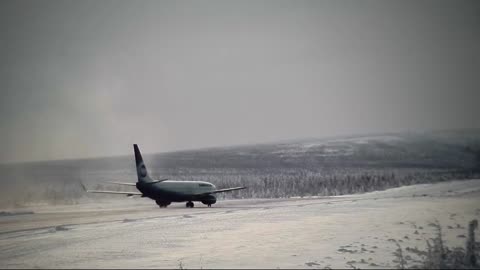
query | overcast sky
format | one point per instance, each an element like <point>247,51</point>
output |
<point>89,78</point>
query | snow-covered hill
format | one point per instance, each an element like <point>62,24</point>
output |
<point>324,166</point>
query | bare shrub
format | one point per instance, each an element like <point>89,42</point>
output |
<point>398,253</point>
<point>439,256</point>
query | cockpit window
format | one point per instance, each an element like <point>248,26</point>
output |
<point>204,185</point>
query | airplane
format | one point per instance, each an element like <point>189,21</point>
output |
<point>165,191</point>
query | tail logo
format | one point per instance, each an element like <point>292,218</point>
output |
<point>143,170</point>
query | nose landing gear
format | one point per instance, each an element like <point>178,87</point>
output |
<point>189,204</point>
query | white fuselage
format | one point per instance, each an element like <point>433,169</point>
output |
<point>185,187</point>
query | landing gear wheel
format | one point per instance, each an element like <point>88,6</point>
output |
<point>189,204</point>
<point>209,205</point>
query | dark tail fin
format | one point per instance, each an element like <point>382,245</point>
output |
<point>142,173</point>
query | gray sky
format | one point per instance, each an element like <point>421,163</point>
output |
<point>89,78</point>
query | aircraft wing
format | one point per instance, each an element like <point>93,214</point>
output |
<point>116,192</point>
<point>220,190</point>
<point>226,190</point>
<point>110,192</point>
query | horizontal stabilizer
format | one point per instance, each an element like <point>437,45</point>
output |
<point>124,184</point>
<point>157,181</point>
<point>134,184</point>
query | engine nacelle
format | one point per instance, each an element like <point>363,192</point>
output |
<point>210,199</point>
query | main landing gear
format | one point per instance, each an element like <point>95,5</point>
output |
<point>189,205</point>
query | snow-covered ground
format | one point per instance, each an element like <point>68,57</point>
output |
<point>338,232</point>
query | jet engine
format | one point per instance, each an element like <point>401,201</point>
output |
<point>210,199</point>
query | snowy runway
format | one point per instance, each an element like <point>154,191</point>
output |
<point>339,232</point>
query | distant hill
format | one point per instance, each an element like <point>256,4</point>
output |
<point>447,149</point>
<point>379,160</point>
